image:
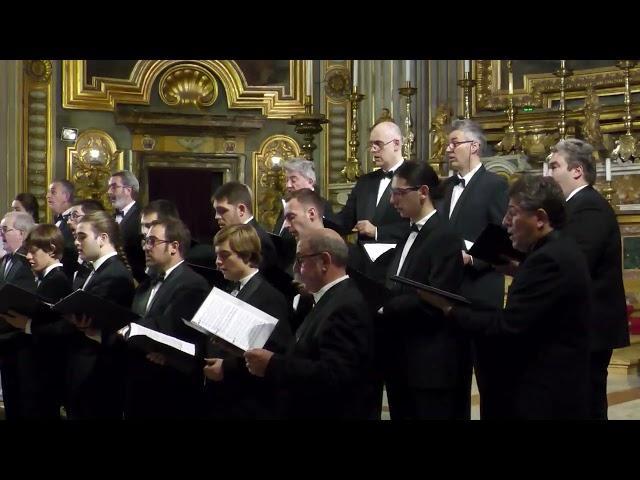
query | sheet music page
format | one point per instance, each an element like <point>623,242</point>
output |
<point>468,245</point>
<point>235,321</point>
<point>186,347</point>
<point>374,250</point>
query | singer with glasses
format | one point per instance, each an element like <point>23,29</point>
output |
<point>368,208</point>
<point>122,190</point>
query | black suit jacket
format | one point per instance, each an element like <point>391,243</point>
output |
<point>130,232</point>
<point>361,205</point>
<point>152,390</point>
<point>327,372</point>
<point>592,223</point>
<point>70,253</point>
<point>268,249</point>
<point>540,356</point>
<point>242,395</point>
<point>483,201</point>
<point>19,274</point>
<point>96,370</point>
<point>415,335</point>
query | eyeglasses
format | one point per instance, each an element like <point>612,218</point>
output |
<point>153,241</point>
<point>7,230</point>
<point>76,215</point>
<point>115,186</point>
<point>403,190</point>
<point>379,145</point>
<point>455,144</point>
<point>300,258</point>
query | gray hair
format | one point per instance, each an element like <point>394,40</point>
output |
<point>578,153</point>
<point>22,221</point>
<point>472,130</point>
<point>302,166</point>
<point>332,243</point>
<point>128,180</point>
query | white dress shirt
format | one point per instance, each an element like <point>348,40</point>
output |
<point>412,238</point>
<point>458,189</point>
<point>125,210</point>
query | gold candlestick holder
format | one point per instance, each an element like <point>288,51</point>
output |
<point>608,192</point>
<point>626,146</point>
<point>563,72</point>
<point>409,137</point>
<point>467,84</point>
<point>510,143</point>
<point>308,124</point>
<point>351,170</point>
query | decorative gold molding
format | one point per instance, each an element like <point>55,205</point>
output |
<point>187,84</point>
<point>37,135</point>
<point>269,182</point>
<point>90,163</point>
<point>104,93</point>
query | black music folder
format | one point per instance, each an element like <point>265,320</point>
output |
<point>179,354</point>
<point>443,293</point>
<point>22,301</point>
<point>213,276</point>
<point>494,243</point>
<point>375,293</point>
<point>106,315</point>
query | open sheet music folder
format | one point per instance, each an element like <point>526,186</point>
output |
<point>22,301</point>
<point>233,320</point>
<point>179,354</point>
<point>106,315</point>
<point>494,243</point>
<point>451,296</point>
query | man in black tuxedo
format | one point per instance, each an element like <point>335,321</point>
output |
<point>427,362</point>
<point>232,204</point>
<point>14,269</point>
<point>327,372</point>
<point>154,389</point>
<point>232,391</point>
<point>368,208</point>
<point>123,190</point>
<point>60,201</point>
<point>539,366</point>
<point>472,199</point>
<point>300,174</point>
<point>592,223</point>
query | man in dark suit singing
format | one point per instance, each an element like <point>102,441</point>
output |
<point>427,363</point>
<point>327,371</point>
<point>60,199</point>
<point>155,390</point>
<point>232,204</point>
<point>368,208</point>
<point>592,223</point>
<point>472,199</point>
<point>539,366</point>
<point>123,190</point>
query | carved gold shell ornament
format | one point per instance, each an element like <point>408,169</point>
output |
<point>40,69</point>
<point>188,84</point>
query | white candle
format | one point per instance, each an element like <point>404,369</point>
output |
<point>309,77</point>
<point>467,66</point>
<point>407,70</point>
<point>607,169</point>
<point>562,64</point>
<point>355,73</point>
<point>510,82</point>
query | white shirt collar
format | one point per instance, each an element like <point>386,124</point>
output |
<point>50,267</point>
<point>248,220</point>
<point>396,166</point>
<point>168,272</point>
<point>126,209</point>
<point>97,263</point>
<point>67,211</point>
<point>420,223</point>
<point>468,176</point>
<point>576,191</point>
<point>245,280</point>
<point>318,295</point>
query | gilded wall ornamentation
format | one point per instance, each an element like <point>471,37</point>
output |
<point>188,84</point>
<point>269,178</point>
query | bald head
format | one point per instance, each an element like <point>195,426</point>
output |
<point>390,129</point>
<point>329,241</point>
<point>385,144</point>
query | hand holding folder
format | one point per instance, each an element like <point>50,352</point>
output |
<point>104,314</point>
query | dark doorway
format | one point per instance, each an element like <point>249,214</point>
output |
<point>191,190</point>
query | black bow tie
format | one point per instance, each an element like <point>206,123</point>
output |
<point>414,228</point>
<point>388,174</point>
<point>119,212</point>
<point>458,180</point>
<point>157,279</point>
<point>59,218</point>
<point>234,286</point>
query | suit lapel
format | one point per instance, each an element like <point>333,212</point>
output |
<point>467,192</point>
<point>318,310</point>
<point>166,285</point>
<point>372,195</point>
<point>249,289</point>
<point>423,235</point>
<point>383,204</point>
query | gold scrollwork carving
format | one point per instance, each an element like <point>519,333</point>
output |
<point>269,178</point>
<point>39,69</point>
<point>104,93</point>
<point>337,83</point>
<point>188,84</point>
<point>90,163</point>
